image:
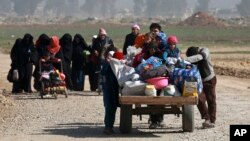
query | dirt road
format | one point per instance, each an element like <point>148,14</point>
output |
<point>80,116</point>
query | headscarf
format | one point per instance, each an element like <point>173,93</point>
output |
<point>66,46</point>
<point>54,46</point>
<point>136,26</point>
<point>102,31</point>
<point>43,39</point>
<point>82,42</point>
<point>66,40</point>
<point>27,39</point>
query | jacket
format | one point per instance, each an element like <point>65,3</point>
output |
<point>204,63</point>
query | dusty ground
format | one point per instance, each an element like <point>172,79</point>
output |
<point>80,117</point>
<point>232,61</point>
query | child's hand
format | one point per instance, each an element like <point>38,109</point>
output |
<point>182,56</point>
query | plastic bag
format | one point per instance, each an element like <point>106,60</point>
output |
<point>190,89</point>
<point>13,75</point>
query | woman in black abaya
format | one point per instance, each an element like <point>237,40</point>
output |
<point>24,55</point>
<point>79,62</point>
<point>67,50</point>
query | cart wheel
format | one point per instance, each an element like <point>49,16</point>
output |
<point>188,118</point>
<point>42,90</point>
<point>126,119</point>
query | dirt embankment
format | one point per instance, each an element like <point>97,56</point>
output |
<point>240,73</point>
<point>231,63</point>
<point>202,19</point>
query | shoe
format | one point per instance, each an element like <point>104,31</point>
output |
<point>108,131</point>
<point>161,124</point>
<point>207,124</point>
<point>30,91</point>
<point>17,91</point>
<point>153,126</point>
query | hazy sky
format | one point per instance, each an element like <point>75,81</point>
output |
<point>224,4</point>
<point>97,9</point>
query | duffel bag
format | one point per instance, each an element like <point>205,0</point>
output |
<point>161,71</point>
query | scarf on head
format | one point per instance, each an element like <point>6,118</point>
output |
<point>54,46</point>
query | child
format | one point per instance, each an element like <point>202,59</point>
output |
<point>48,70</point>
<point>172,54</point>
<point>201,57</point>
<point>110,92</point>
<point>172,50</point>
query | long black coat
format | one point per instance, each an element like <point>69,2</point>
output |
<point>66,46</point>
<point>79,45</point>
<point>129,41</point>
<point>80,64</point>
<point>101,46</point>
<point>23,56</point>
<point>42,44</point>
<point>67,50</point>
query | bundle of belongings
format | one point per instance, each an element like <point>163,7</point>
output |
<point>152,75</point>
<point>187,80</point>
<point>50,75</point>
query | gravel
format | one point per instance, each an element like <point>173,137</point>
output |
<point>26,117</point>
<point>80,116</point>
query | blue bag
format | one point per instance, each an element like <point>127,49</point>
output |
<point>179,75</point>
<point>152,61</point>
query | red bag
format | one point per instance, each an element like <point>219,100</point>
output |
<point>137,59</point>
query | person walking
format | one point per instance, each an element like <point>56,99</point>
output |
<point>99,47</point>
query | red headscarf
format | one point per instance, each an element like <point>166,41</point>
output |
<point>54,46</point>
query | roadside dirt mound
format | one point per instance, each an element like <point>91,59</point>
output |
<point>202,19</point>
<point>240,73</point>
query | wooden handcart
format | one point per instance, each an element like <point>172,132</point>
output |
<point>172,105</point>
